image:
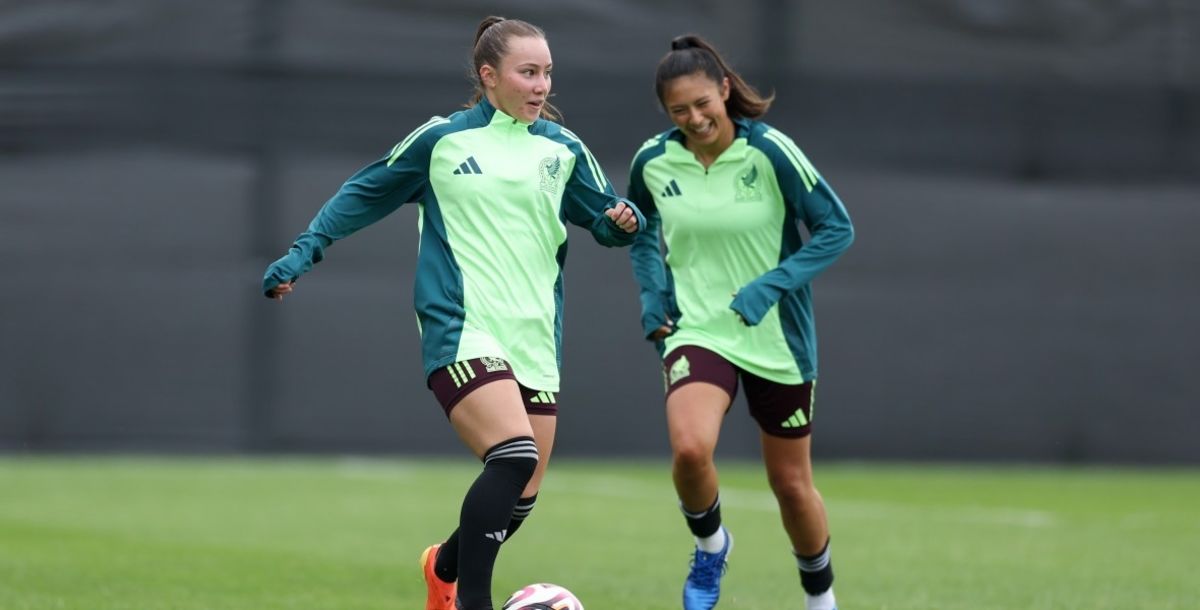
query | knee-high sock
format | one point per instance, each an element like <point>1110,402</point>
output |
<point>486,512</point>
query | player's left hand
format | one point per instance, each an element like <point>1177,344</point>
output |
<point>738,313</point>
<point>282,290</point>
<point>623,217</point>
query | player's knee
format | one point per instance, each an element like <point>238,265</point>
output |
<point>792,489</point>
<point>692,456</point>
<point>515,458</point>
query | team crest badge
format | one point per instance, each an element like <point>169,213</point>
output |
<point>492,365</point>
<point>746,185</point>
<point>682,368</point>
<point>550,171</point>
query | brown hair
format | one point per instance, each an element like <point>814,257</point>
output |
<point>691,54</point>
<point>491,45</point>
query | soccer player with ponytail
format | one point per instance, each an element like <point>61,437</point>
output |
<point>495,185</point>
<point>731,299</point>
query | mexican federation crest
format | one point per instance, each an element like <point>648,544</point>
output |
<point>491,364</point>
<point>746,184</point>
<point>551,174</point>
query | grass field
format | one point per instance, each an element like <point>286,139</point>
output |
<point>145,533</point>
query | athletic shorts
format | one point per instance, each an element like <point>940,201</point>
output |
<point>452,384</point>
<point>780,409</point>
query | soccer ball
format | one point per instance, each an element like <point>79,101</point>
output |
<point>543,596</point>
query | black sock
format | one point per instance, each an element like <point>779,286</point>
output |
<point>704,523</point>
<point>446,566</point>
<point>816,571</point>
<point>486,512</point>
<point>523,508</point>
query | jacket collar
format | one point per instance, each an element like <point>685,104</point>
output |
<point>491,115</point>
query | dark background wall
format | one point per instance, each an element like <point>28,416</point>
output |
<point>1024,178</point>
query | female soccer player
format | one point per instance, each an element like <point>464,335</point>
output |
<point>494,184</point>
<point>733,299</point>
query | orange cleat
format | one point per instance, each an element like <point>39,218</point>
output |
<point>440,594</point>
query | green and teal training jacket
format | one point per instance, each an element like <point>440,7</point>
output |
<point>733,248</point>
<point>494,195</point>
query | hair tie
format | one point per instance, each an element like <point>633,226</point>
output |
<point>488,27</point>
<point>683,42</point>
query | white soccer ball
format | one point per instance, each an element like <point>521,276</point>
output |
<point>543,596</point>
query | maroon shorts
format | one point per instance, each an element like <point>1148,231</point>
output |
<point>780,409</point>
<point>452,383</point>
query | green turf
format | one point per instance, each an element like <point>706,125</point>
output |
<point>345,534</point>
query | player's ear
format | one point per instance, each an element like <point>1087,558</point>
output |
<point>487,76</point>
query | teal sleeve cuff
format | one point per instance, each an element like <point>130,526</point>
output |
<point>307,251</point>
<point>754,301</point>
<point>654,314</point>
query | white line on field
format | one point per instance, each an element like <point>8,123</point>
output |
<point>759,500</point>
<point>367,468</point>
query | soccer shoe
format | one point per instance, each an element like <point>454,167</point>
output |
<point>440,594</point>
<point>703,585</point>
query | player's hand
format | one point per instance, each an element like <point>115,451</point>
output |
<point>623,216</point>
<point>738,313</point>
<point>663,331</point>
<point>279,291</point>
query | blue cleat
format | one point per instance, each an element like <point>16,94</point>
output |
<point>703,585</point>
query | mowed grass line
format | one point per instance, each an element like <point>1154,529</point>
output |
<point>343,533</point>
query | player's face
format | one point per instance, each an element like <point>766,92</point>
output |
<point>696,104</point>
<point>521,84</point>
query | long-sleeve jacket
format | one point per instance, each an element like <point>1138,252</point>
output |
<point>494,195</point>
<point>734,248</point>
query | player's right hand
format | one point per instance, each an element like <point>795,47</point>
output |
<point>279,291</point>
<point>663,331</point>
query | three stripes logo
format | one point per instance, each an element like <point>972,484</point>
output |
<point>399,149</point>
<point>498,536</point>
<point>468,167</point>
<point>543,398</point>
<point>461,372</point>
<point>804,168</point>
<point>800,418</point>
<point>672,190</point>
<point>797,420</point>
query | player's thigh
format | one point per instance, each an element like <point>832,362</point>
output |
<point>784,413</point>
<point>490,414</point>
<point>700,388</point>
